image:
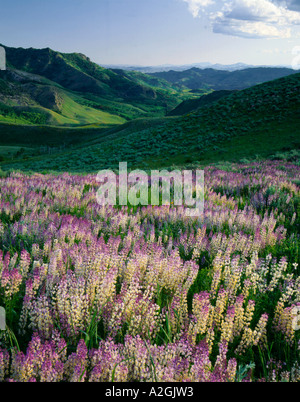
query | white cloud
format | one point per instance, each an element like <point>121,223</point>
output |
<point>250,29</point>
<point>195,6</point>
<point>250,18</point>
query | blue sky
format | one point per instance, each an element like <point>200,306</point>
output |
<point>155,32</point>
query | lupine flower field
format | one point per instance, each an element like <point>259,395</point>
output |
<point>102,294</point>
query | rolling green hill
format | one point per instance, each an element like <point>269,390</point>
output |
<point>211,79</point>
<point>28,99</point>
<point>74,72</point>
<point>42,86</point>
<point>258,121</point>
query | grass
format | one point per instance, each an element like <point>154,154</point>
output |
<point>71,113</point>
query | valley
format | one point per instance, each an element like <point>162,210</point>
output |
<point>58,122</point>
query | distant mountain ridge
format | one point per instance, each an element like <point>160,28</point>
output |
<point>209,78</point>
<point>184,67</point>
<point>169,67</point>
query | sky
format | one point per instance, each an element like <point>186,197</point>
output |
<point>158,32</point>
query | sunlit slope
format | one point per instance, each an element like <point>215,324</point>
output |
<point>30,99</point>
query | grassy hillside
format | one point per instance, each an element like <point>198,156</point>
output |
<point>73,71</point>
<point>48,87</point>
<point>192,104</point>
<point>209,78</point>
<point>27,99</point>
<point>259,121</point>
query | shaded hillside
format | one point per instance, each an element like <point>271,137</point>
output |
<point>193,104</point>
<point>209,78</point>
